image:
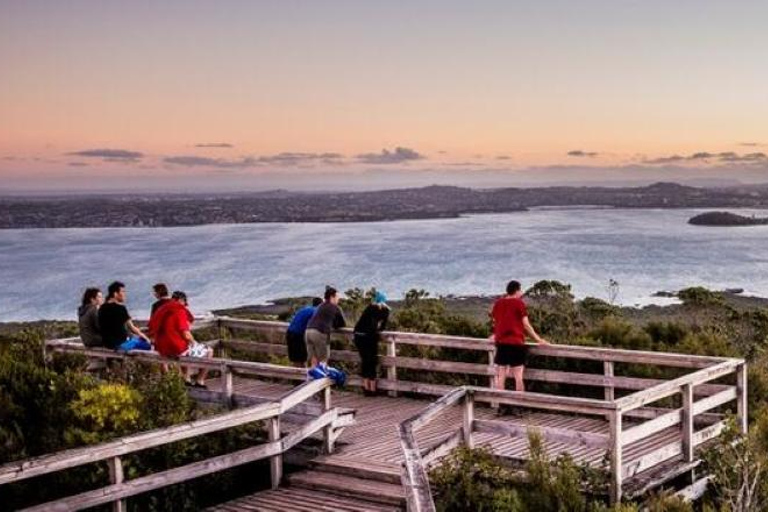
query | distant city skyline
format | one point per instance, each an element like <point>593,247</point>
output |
<point>237,95</point>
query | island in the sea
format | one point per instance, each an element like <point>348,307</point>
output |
<point>726,219</point>
<point>432,202</point>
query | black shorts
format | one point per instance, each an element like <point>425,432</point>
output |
<point>297,347</point>
<point>511,355</point>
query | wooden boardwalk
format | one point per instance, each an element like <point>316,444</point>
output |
<point>363,473</point>
<point>643,432</point>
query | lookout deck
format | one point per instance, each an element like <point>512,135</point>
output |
<point>641,417</point>
<point>369,452</point>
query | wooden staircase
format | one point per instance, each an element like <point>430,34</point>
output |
<point>331,485</point>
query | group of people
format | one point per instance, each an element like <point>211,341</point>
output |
<point>108,324</point>
<point>309,333</point>
<point>169,331</point>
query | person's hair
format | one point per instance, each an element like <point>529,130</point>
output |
<point>317,301</point>
<point>179,295</point>
<point>513,287</point>
<point>161,289</point>
<point>114,288</point>
<point>89,295</point>
<point>330,291</point>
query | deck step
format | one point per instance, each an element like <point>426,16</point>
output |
<point>349,487</point>
<point>365,469</point>
<point>293,499</point>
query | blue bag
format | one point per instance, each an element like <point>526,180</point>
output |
<point>318,372</point>
<point>134,343</point>
<point>337,376</point>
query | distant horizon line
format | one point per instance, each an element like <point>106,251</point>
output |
<point>702,183</point>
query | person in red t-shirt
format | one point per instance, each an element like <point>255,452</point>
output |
<point>510,324</point>
<point>171,330</point>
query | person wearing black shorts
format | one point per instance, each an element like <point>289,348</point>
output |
<point>510,325</point>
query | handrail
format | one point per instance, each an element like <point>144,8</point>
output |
<point>112,451</point>
<point>480,344</point>
<point>414,474</point>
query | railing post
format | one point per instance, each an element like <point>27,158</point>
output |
<point>276,461</point>
<point>222,347</point>
<point>469,418</point>
<point>608,372</point>
<point>226,385</point>
<point>687,422</point>
<point>741,397</point>
<point>328,430</point>
<point>615,446</point>
<point>116,476</point>
<point>392,369</point>
<point>492,379</point>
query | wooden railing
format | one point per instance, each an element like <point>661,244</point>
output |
<point>628,403</point>
<point>686,416</point>
<point>327,420</point>
<point>416,460</point>
<point>416,482</point>
<point>272,343</point>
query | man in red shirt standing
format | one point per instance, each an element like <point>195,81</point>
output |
<point>510,324</point>
<point>170,328</point>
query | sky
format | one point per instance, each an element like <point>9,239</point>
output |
<point>193,95</point>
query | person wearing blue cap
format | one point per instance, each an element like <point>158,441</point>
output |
<point>367,334</point>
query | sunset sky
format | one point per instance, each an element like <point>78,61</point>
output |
<point>234,95</point>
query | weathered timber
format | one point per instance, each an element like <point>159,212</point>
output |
<point>15,471</point>
<point>441,449</point>
<point>144,484</point>
<point>673,386</point>
<point>553,434</point>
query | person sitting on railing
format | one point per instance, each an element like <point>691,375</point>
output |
<point>367,334</point>
<point>115,323</point>
<point>294,335</point>
<point>327,318</point>
<point>160,291</point>
<point>510,324</point>
<point>171,328</point>
<point>88,317</point>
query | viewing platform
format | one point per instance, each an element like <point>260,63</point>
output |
<point>641,418</point>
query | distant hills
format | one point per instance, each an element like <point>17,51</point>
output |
<point>411,203</point>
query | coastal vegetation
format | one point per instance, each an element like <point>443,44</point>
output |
<point>52,405</point>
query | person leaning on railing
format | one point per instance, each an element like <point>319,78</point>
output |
<point>367,335</point>
<point>327,318</point>
<point>510,325</point>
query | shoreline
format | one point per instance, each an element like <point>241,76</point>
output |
<point>458,304</point>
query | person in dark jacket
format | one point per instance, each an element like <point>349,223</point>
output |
<point>160,291</point>
<point>327,318</point>
<point>367,334</point>
<point>88,317</point>
<point>294,335</point>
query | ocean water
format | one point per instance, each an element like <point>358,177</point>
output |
<point>43,271</point>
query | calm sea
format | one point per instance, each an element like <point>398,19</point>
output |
<point>43,271</point>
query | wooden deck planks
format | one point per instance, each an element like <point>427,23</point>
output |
<point>374,440</point>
